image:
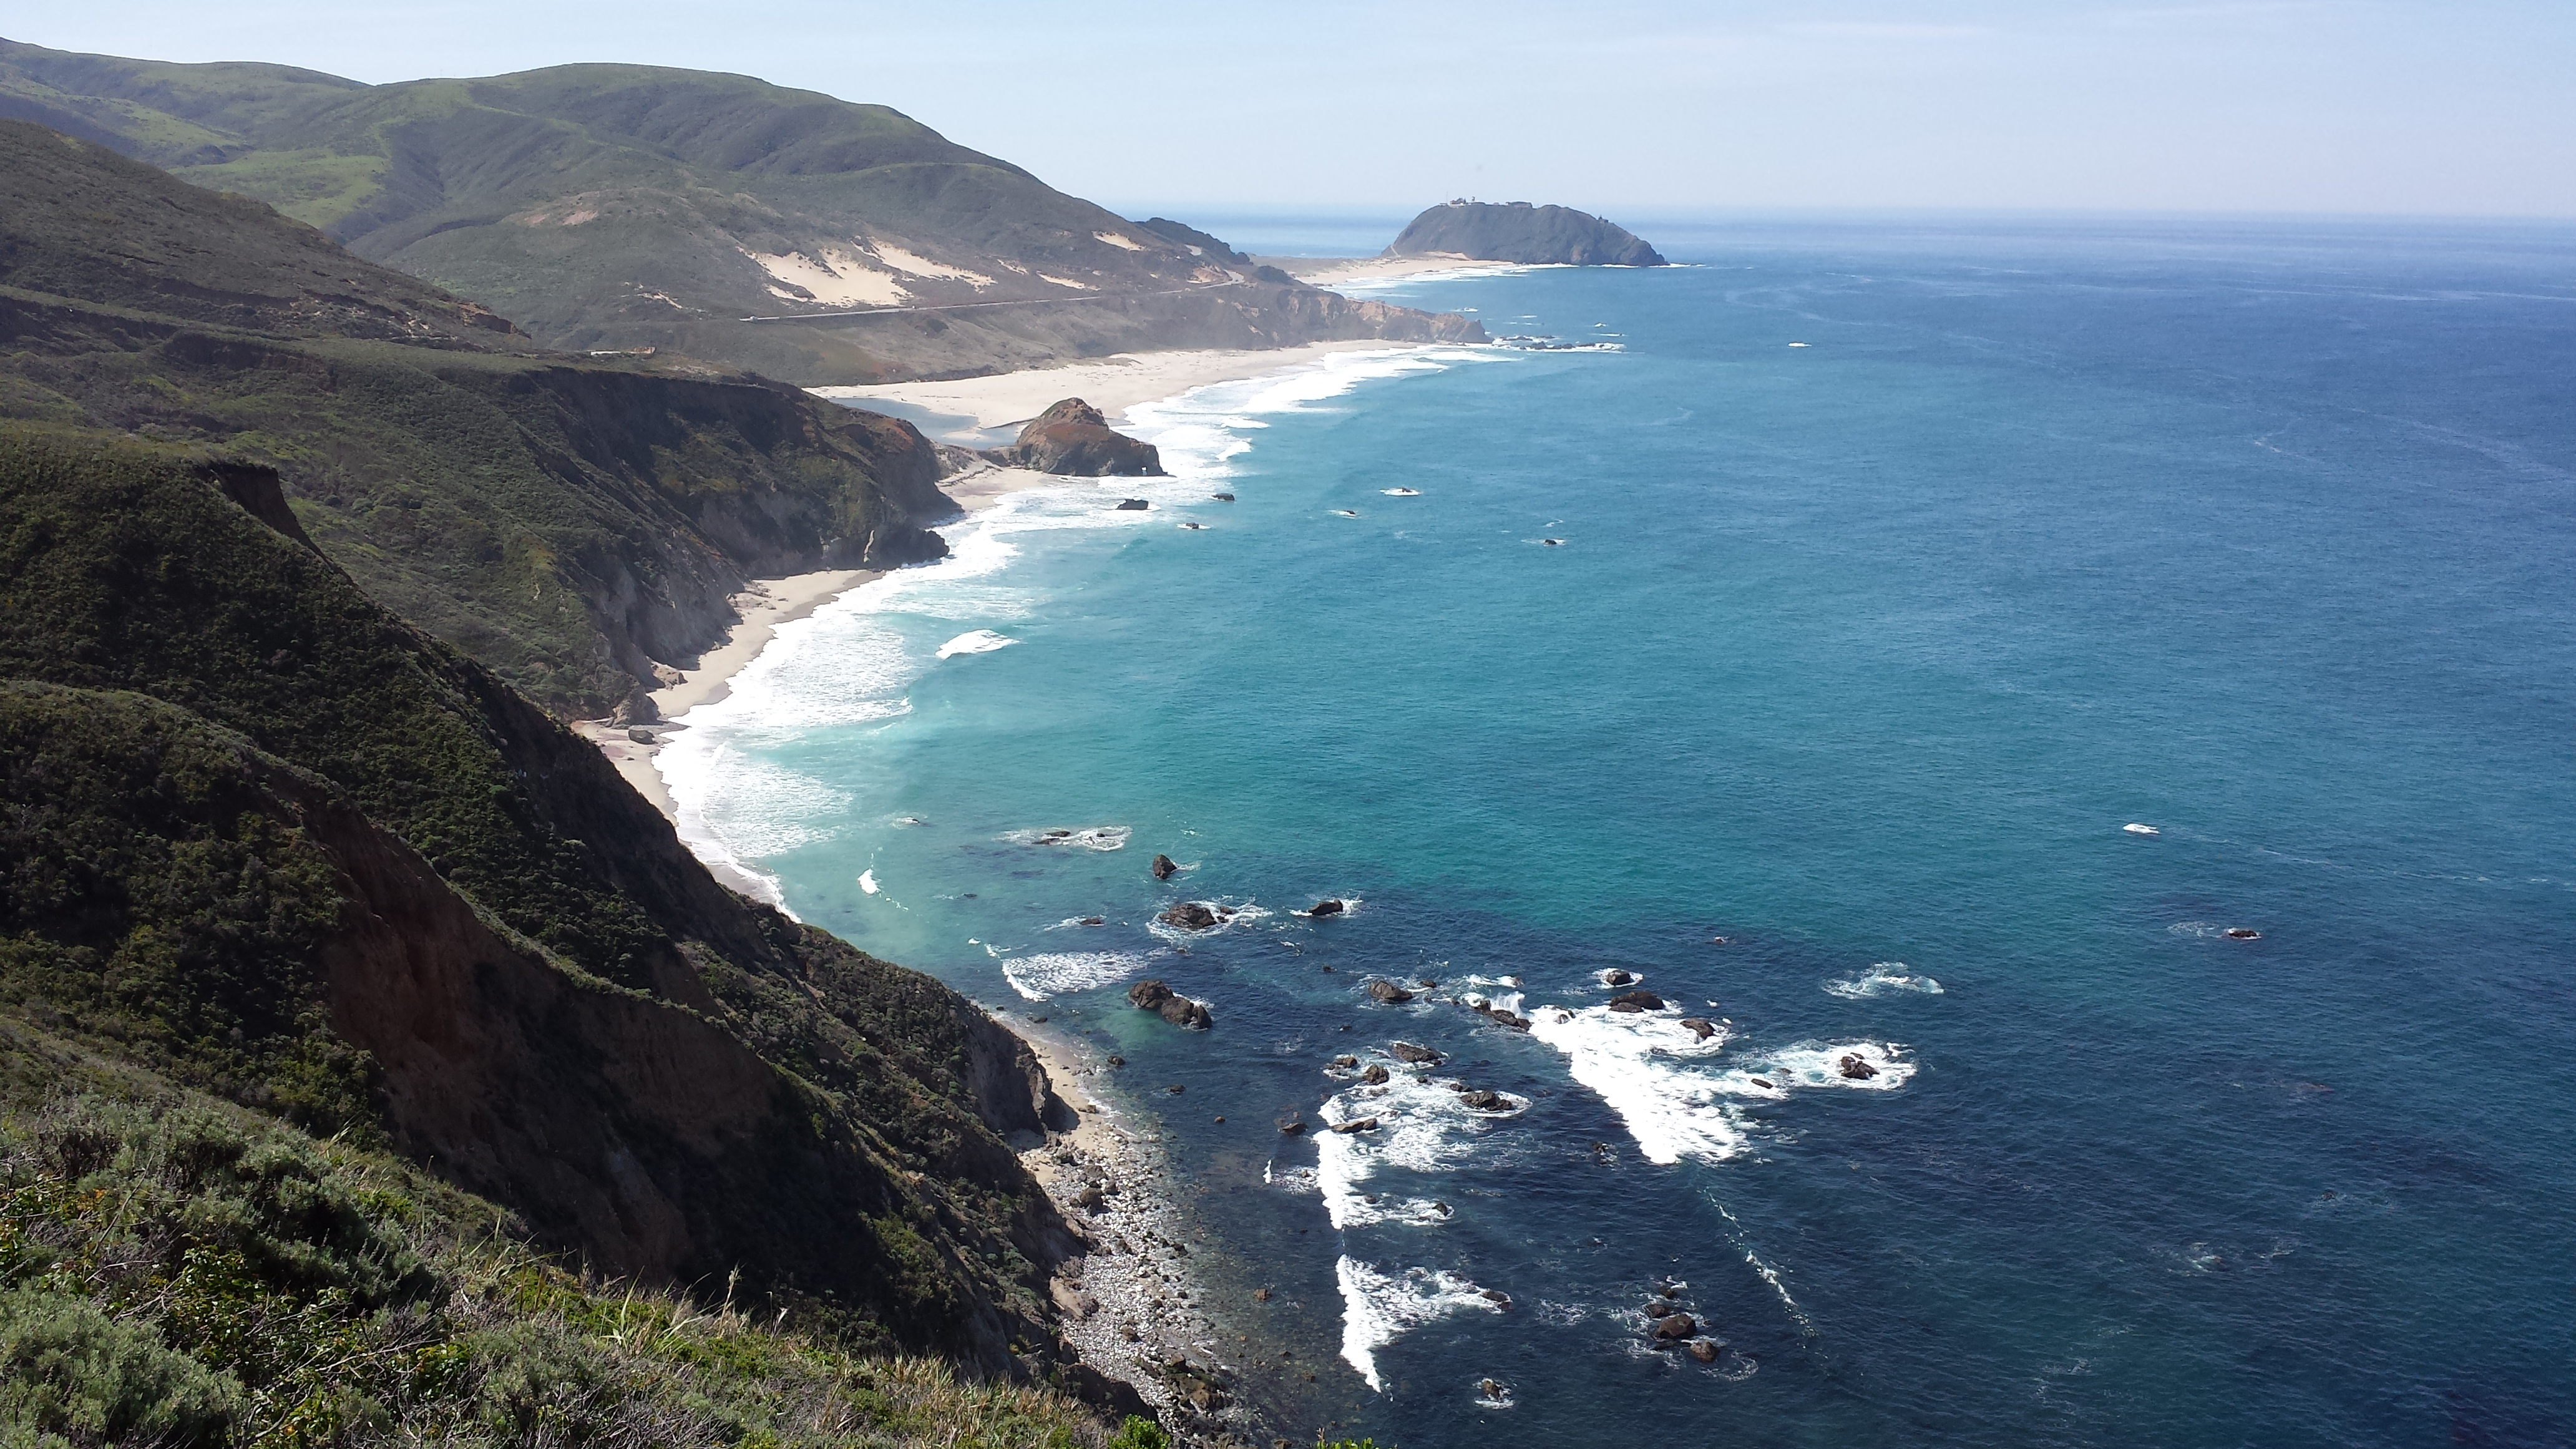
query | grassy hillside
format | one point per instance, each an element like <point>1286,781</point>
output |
<point>177,1271</point>
<point>569,523</point>
<point>263,840</point>
<point>623,206</point>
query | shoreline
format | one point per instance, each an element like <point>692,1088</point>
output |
<point>1112,384</point>
<point>1131,1306</point>
<point>1325,271</point>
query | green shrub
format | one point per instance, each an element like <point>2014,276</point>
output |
<point>67,1368</point>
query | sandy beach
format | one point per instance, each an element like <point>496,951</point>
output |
<point>1111,384</point>
<point>1325,271</point>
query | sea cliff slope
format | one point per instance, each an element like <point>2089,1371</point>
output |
<point>267,842</point>
<point>573,523</point>
<point>744,224</point>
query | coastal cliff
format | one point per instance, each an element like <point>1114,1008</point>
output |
<point>269,844</point>
<point>1519,232</point>
<point>579,526</point>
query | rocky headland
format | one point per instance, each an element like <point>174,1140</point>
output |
<point>1520,233</point>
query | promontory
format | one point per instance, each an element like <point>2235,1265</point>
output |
<point>1519,232</point>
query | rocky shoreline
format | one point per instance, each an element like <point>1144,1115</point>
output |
<point>1134,1305</point>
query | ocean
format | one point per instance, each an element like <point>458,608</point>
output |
<point>1901,568</point>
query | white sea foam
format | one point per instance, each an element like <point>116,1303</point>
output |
<point>975,641</point>
<point>1819,1064</point>
<point>1880,979</point>
<point>1422,1127</point>
<point>1633,1060</point>
<point>868,881</point>
<point>852,661</point>
<point>1089,837</point>
<point>1055,973</point>
<point>1377,1307</point>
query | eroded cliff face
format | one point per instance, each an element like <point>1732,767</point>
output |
<point>467,933</point>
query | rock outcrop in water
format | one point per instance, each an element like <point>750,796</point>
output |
<point>1519,232</point>
<point>1159,998</point>
<point>1073,438</point>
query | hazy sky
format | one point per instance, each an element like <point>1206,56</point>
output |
<point>2392,106</point>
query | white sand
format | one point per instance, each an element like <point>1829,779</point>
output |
<point>1324,271</point>
<point>1111,384</point>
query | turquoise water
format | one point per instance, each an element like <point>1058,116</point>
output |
<point>1858,655</point>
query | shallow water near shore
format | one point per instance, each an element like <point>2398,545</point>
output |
<point>1822,718</point>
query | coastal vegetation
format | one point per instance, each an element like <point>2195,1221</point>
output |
<point>715,216</point>
<point>572,524</point>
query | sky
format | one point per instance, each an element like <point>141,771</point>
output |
<point>2379,107</point>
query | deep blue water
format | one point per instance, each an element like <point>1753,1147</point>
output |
<point>1855,653</point>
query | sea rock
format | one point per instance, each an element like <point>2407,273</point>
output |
<point>1222,497</point>
<point>1616,977</point>
<point>1326,908</point>
<point>1700,1027</point>
<point>1189,916</point>
<point>640,736</point>
<point>1638,1000</point>
<point>1855,1069</point>
<point>1703,1350</point>
<point>2243,933</point>
<point>1148,995</point>
<point>1117,1061</point>
<point>1376,1074</point>
<point>1292,1129</point>
<point>1497,1297</point>
<point>1093,921</point>
<point>1519,232</point>
<point>1132,505</point>
<point>1388,992</point>
<point>1356,1124</point>
<point>1514,1020</point>
<point>1164,869</point>
<point>1658,1308</point>
<point>1673,1328</point>
<point>1073,438</point>
<point>1483,1100</point>
<point>1492,1391</point>
<point>1405,1051</point>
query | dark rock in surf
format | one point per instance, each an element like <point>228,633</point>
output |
<point>1483,1100</point>
<point>1346,1061</point>
<point>1148,995</point>
<point>1855,1069</point>
<point>1638,1000</point>
<point>1180,1011</point>
<point>1703,1350</point>
<point>1513,1020</point>
<point>1405,1051</point>
<point>1189,916</point>
<point>1616,977</point>
<point>1132,505</point>
<point>1326,908</point>
<point>1292,1129</point>
<point>1497,1297</point>
<point>1222,497</point>
<point>1073,438</point>
<point>1673,1328</point>
<point>1375,1076</point>
<point>1700,1027</point>
<point>1164,869</point>
<point>1658,1308</point>
<point>1388,992</point>
<point>1356,1124</point>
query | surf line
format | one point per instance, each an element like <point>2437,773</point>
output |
<point>1806,1325</point>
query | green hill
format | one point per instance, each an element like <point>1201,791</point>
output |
<point>569,523</point>
<point>266,845</point>
<point>610,206</point>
